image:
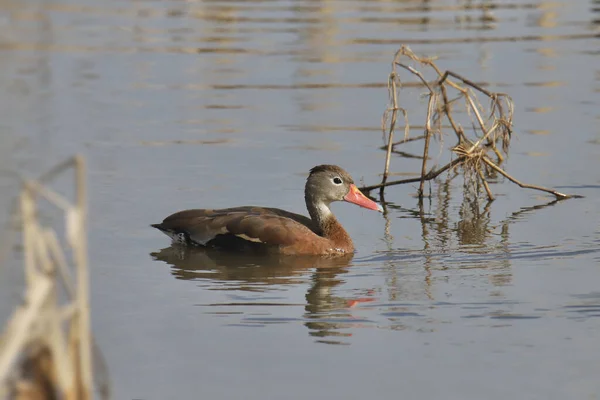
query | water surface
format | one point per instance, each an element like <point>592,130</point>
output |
<point>221,103</point>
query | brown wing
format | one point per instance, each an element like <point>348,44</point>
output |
<point>265,225</point>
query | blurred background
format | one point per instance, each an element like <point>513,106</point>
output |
<point>208,104</point>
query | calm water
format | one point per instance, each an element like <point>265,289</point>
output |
<point>181,104</point>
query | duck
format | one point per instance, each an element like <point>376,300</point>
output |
<point>272,230</point>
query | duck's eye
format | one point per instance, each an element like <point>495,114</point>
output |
<point>337,181</point>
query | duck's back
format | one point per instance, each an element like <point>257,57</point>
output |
<point>247,226</point>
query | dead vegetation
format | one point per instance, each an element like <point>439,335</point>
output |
<point>47,350</point>
<point>478,151</point>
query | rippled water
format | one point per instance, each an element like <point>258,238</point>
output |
<point>222,103</point>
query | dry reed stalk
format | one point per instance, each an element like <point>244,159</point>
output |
<point>46,349</point>
<point>489,126</point>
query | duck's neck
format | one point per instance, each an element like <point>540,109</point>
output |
<point>328,224</point>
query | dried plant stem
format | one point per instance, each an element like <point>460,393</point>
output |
<point>390,140</point>
<point>429,176</point>
<point>448,111</point>
<point>485,184</point>
<point>393,81</point>
<point>558,195</point>
<point>427,141</point>
<point>466,81</point>
<point>489,125</point>
<point>84,345</point>
<point>36,338</point>
<point>410,139</point>
<point>428,131</point>
<point>482,126</point>
<point>407,155</point>
<point>496,104</point>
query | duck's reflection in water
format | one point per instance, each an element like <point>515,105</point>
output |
<point>326,314</point>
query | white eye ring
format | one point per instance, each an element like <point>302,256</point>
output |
<point>337,180</point>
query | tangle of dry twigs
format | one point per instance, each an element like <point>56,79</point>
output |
<point>478,155</point>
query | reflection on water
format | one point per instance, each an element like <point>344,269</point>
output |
<point>325,315</point>
<point>475,232</point>
<point>586,306</point>
<point>251,272</point>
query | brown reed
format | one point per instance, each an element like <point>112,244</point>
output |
<point>47,350</point>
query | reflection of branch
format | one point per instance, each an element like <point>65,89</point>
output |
<point>525,210</point>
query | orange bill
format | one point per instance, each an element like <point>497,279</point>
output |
<point>355,196</point>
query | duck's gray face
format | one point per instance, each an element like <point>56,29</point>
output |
<point>329,183</point>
